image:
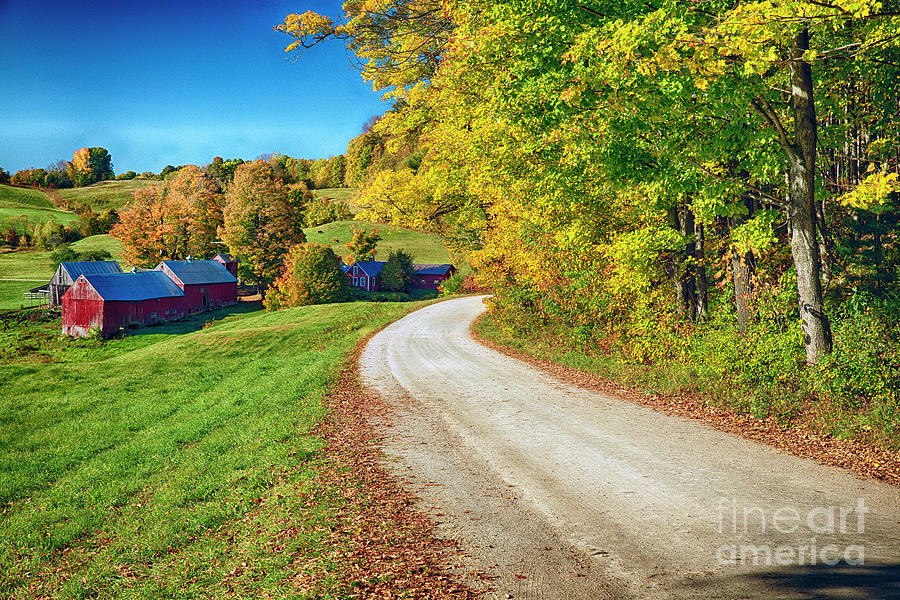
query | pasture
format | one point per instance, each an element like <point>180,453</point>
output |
<point>31,204</point>
<point>170,463</point>
<point>106,195</point>
<point>423,247</point>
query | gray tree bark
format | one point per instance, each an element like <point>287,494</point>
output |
<point>802,209</point>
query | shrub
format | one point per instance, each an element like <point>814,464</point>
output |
<point>397,273</point>
<point>312,274</point>
<point>451,285</point>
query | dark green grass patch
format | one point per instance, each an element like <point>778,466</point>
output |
<point>169,464</point>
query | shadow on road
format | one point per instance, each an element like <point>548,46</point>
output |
<point>822,582</point>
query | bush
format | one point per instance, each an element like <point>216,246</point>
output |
<point>451,285</point>
<point>323,210</point>
<point>397,273</point>
<point>312,274</point>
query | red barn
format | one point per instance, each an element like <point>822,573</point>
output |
<point>206,283</point>
<point>430,277</point>
<point>106,302</point>
<point>227,261</point>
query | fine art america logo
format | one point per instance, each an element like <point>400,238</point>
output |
<point>812,536</point>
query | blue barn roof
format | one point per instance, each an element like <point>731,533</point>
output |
<point>192,272</point>
<point>74,269</point>
<point>141,285</point>
<point>432,269</point>
<point>372,268</point>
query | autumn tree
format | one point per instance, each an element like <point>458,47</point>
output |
<point>90,165</point>
<point>179,218</point>
<point>362,246</point>
<point>311,274</point>
<point>261,223</point>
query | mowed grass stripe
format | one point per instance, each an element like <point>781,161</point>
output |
<point>129,463</point>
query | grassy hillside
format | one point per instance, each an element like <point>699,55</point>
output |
<point>424,248</point>
<point>22,270</point>
<point>106,194</point>
<point>170,464</point>
<point>336,193</point>
<point>101,242</point>
<point>35,205</point>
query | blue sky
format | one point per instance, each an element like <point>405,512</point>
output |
<point>159,83</point>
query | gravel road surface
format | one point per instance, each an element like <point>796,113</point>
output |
<point>553,491</point>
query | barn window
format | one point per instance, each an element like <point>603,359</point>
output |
<point>153,316</point>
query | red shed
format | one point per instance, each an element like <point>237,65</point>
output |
<point>227,261</point>
<point>429,277</point>
<point>107,302</point>
<point>206,283</point>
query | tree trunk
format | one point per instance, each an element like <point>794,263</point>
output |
<point>743,267</point>
<point>701,281</point>
<point>802,210</point>
<point>688,278</point>
<point>677,263</point>
<point>683,269</point>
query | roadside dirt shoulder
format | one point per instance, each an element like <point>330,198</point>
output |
<point>382,546</point>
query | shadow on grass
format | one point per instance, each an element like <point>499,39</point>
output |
<point>196,321</point>
<point>822,582</point>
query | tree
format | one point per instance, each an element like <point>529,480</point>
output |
<point>180,218</point>
<point>63,254</point>
<point>4,176</point>
<point>311,274</point>
<point>29,177</point>
<point>261,223</point>
<point>362,246</point>
<point>397,43</point>
<point>397,272</point>
<point>90,165</point>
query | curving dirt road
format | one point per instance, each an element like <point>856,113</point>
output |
<point>553,491</point>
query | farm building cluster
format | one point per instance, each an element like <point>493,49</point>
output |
<point>98,296</point>
<point>366,275</point>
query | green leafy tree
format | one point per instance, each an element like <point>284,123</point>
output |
<point>63,254</point>
<point>311,274</point>
<point>397,272</point>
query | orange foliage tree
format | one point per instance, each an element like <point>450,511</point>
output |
<point>171,222</point>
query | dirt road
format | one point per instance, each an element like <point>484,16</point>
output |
<point>559,492</point>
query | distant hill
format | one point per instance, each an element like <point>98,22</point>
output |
<point>424,248</point>
<point>33,204</point>
<point>106,194</point>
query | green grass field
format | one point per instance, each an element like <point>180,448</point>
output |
<point>101,242</point>
<point>35,205</point>
<point>424,248</point>
<point>107,194</point>
<point>170,464</point>
<point>22,270</point>
<point>336,193</point>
